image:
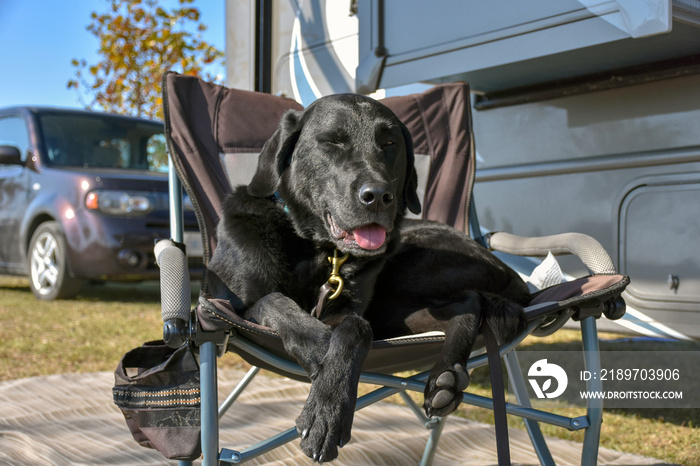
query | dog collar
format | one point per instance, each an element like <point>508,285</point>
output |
<point>326,292</point>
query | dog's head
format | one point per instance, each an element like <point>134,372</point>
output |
<point>344,167</point>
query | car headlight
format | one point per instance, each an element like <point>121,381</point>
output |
<point>120,202</point>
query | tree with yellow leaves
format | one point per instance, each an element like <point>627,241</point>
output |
<point>139,41</point>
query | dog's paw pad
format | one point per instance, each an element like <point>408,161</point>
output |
<point>441,399</point>
<point>462,377</point>
<point>444,393</point>
<point>446,379</point>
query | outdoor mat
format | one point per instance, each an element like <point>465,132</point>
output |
<point>70,419</point>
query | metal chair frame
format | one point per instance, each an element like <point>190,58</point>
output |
<point>211,344</point>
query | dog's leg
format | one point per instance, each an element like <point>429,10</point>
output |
<point>325,422</point>
<point>332,359</point>
<point>461,323</point>
<point>303,336</point>
<point>449,377</point>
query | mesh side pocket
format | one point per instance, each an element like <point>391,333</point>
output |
<point>157,390</point>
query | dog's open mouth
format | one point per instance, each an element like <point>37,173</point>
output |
<point>368,237</point>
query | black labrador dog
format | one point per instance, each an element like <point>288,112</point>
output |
<point>332,187</point>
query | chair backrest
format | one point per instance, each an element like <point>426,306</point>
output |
<point>205,121</point>
<point>440,124</point>
<point>215,135</point>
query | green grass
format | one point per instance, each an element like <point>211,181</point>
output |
<point>91,332</point>
<point>86,334</point>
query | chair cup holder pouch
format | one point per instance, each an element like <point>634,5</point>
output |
<point>157,390</point>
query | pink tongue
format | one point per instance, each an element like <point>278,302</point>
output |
<point>370,236</point>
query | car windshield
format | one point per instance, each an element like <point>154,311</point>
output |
<point>103,141</point>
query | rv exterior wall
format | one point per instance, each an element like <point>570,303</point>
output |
<point>240,44</point>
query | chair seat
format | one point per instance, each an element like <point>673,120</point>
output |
<point>413,352</point>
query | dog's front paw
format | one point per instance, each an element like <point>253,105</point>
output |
<point>443,391</point>
<point>325,424</point>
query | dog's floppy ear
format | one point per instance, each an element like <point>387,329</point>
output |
<point>275,156</point>
<point>410,186</point>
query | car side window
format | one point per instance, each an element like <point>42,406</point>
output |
<point>13,132</point>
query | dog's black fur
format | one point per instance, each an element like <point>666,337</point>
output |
<point>339,175</point>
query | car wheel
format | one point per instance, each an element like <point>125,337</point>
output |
<point>48,264</point>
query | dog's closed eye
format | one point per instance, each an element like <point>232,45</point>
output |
<point>338,139</point>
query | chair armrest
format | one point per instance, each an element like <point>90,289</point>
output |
<point>174,291</point>
<point>586,248</point>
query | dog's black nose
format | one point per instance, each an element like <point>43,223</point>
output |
<point>376,195</point>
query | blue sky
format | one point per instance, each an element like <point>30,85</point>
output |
<point>39,38</point>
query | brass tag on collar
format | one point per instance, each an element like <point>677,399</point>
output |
<point>335,277</point>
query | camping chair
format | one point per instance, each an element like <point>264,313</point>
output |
<point>214,135</point>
